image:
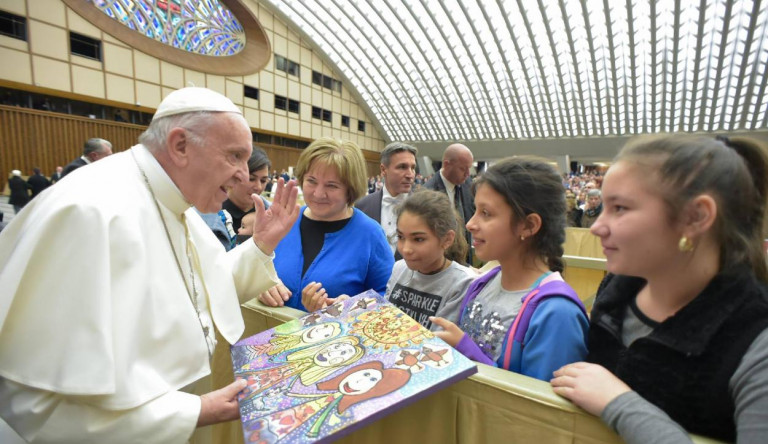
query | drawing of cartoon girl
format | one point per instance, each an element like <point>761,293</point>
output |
<point>309,364</point>
<point>357,384</point>
<point>311,335</point>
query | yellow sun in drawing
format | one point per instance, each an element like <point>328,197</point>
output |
<point>388,327</point>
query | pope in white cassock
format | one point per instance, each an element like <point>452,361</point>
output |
<point>111,285</point>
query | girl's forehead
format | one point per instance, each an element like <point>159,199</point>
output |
<point>626,177</point>
<point>412,222</point>
<point>486,194</point>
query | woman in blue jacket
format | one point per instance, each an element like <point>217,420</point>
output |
<point>333,248</point>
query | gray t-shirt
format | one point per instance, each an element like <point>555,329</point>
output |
<point>490,315</point>
<point>423,295</point>
<point>639,421</point>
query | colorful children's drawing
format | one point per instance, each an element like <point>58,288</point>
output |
<point>313,334</point>
<point>358,384</point>
<point>310,365</point>
<point>321,376</point>
<point>388,327</point>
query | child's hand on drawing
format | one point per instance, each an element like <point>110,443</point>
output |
<point>314,297</point>
<point>451,332</point>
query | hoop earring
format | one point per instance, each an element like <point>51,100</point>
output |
<point>685,245</point>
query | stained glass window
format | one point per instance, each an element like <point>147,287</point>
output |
<point>205,27</point>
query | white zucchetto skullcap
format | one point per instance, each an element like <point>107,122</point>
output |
<point>16,172</point>
<point>191,99</point>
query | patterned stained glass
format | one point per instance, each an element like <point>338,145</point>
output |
<point>205,27</point>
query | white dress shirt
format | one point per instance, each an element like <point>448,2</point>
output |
<point>388,219</point>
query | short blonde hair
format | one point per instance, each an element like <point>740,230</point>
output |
<point>343,155</point>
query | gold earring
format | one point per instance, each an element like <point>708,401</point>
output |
<point>685,245</point>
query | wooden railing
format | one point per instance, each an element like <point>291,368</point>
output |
<point>491,406</point>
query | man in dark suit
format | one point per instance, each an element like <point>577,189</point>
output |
<point>453,180</point>
<point>398,170</point>
<point>55,177</point>
<point>37,182</point>
<point>93,150</point>
<point>19,191</point>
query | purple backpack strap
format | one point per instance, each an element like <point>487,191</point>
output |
<point>476,286</point>
<point>553,288</point>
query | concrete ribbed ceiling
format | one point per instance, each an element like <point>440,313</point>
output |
<point>432,70</point>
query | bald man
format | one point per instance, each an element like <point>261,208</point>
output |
<point>453,180</point>
<point>457,162</point>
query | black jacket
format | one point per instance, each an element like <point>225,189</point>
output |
<point>19,194</point>
<point>684,366</point>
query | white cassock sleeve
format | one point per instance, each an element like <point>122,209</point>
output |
<point>41,416</point>
<point>252,271</point>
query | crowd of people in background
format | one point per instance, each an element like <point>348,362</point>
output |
<point>583,196</point>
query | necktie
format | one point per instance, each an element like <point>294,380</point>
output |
<point>457,202</point>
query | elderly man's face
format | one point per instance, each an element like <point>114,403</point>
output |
<point>219,162</point>
<point>457,169</point>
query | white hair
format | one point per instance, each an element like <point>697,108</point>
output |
<point>156,134</point>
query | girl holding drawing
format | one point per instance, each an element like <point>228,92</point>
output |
<point>521,315</point>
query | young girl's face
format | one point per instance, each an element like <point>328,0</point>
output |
<point>493,234</point>
<point>420,247</point>
<point>633,228</point>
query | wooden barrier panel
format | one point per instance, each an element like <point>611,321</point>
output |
<point>34,138</point>
<point>492,406</point>
<point>584,275</point>
<point>580,242</point>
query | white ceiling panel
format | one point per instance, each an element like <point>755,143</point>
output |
<point>436,70</point>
